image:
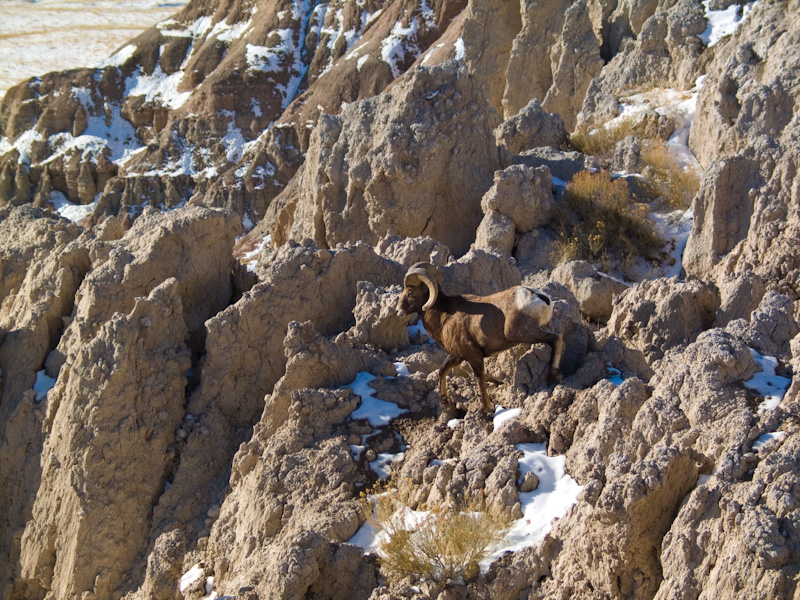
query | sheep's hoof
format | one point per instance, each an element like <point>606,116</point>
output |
<point>554,376</point>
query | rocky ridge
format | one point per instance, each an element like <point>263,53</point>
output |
<point>179,372</point>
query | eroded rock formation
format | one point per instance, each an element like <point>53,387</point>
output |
<point>179,420</point>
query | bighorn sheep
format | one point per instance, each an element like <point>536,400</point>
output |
<point>471,328</point>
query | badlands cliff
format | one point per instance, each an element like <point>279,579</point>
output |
<point>201,248</point>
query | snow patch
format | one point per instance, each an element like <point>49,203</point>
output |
<point>68,210</point>
<point>768,437</point>
<point>191,576</point>
<point>382,465</point>
<point>229,33</point>
<point>459,46</point>
<point>195,30</point>
<point>397,44</point>
<point>43,385</point>
<point>370,539</point>
<point>378,413</point>
<point>557,492</point>
<point>251,258</point>
<point>402,369</point>
<point>119,58</point>
<point>722,23</point>
<point>158,87</point>
<point>766,383</point>
<point>501,415</point>
<point>679,105</point>
<point>674,227</point>
<point>614,375</point>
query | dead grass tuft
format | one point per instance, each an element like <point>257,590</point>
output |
<point>678,185</point>
<point>600,141</point>
<point>439,543</point>
<point>600,220</point>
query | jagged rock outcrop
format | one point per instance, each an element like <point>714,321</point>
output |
<point>175,425</point>
<point>412,162</point>
<point>111,423</point>
<point>174,109</point>
<point>656,315</point>
<point>520,200</point>
<point>562,34</point>
<point>531,127</point>
<point>645,42</point>
<point>750,94</point>
<point>594,291</point>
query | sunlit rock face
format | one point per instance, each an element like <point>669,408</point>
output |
<point>203,241</point>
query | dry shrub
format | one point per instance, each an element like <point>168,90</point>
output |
<point>600,141</point>
<point>440,544</point>
<point>678,185</point>
<point>599,219</point>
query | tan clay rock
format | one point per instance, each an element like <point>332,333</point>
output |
<point>386,165</point>
<point>656,315</point>
<point>594,291</point>
<point>531,127</point>
<point>111,423</point>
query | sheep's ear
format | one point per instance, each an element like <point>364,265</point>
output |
<point>411,280</point>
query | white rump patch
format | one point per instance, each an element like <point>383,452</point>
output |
<point>531,302</point>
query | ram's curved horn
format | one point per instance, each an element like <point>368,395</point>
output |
<point>426,273</point>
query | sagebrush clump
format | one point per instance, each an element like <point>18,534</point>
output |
<point>600,141</point>
<point>600,220</point>
<point>676,183</point>
<point>439,544</point>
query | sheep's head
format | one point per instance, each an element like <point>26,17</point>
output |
<point>420,289</point>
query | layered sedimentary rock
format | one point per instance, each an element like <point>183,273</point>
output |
<point>177,420</point>
<point>412,162</point>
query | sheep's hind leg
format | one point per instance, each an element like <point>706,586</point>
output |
<point>525,331</point>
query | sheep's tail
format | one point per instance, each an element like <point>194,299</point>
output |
<point>534,303</point>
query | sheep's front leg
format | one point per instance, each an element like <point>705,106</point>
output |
<point>449,363</point>
<point>480,374</point>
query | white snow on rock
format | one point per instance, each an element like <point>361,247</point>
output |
<point>119,58</point>
<point>382,465</point>
<point>556,493</point>
<point>190,577</point>
<point>614,375</point>
<point>229,33</point>
<point>679,105</point>
<point>459,46</point>
<point>722,23</point>
<point>68,210</point>
<point>768,437</point>
<point>249,259</point>
<point>405,519</point>
<point>195,30</point>
<point>502,415</point>
<point>43,385</point>
<point>766,383</point>
<point>396,45</point>
<point>674,227</point>
<point>551,500</point>
<point>53,35</point>
<point>158,87</point>
<point>377,412</point>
